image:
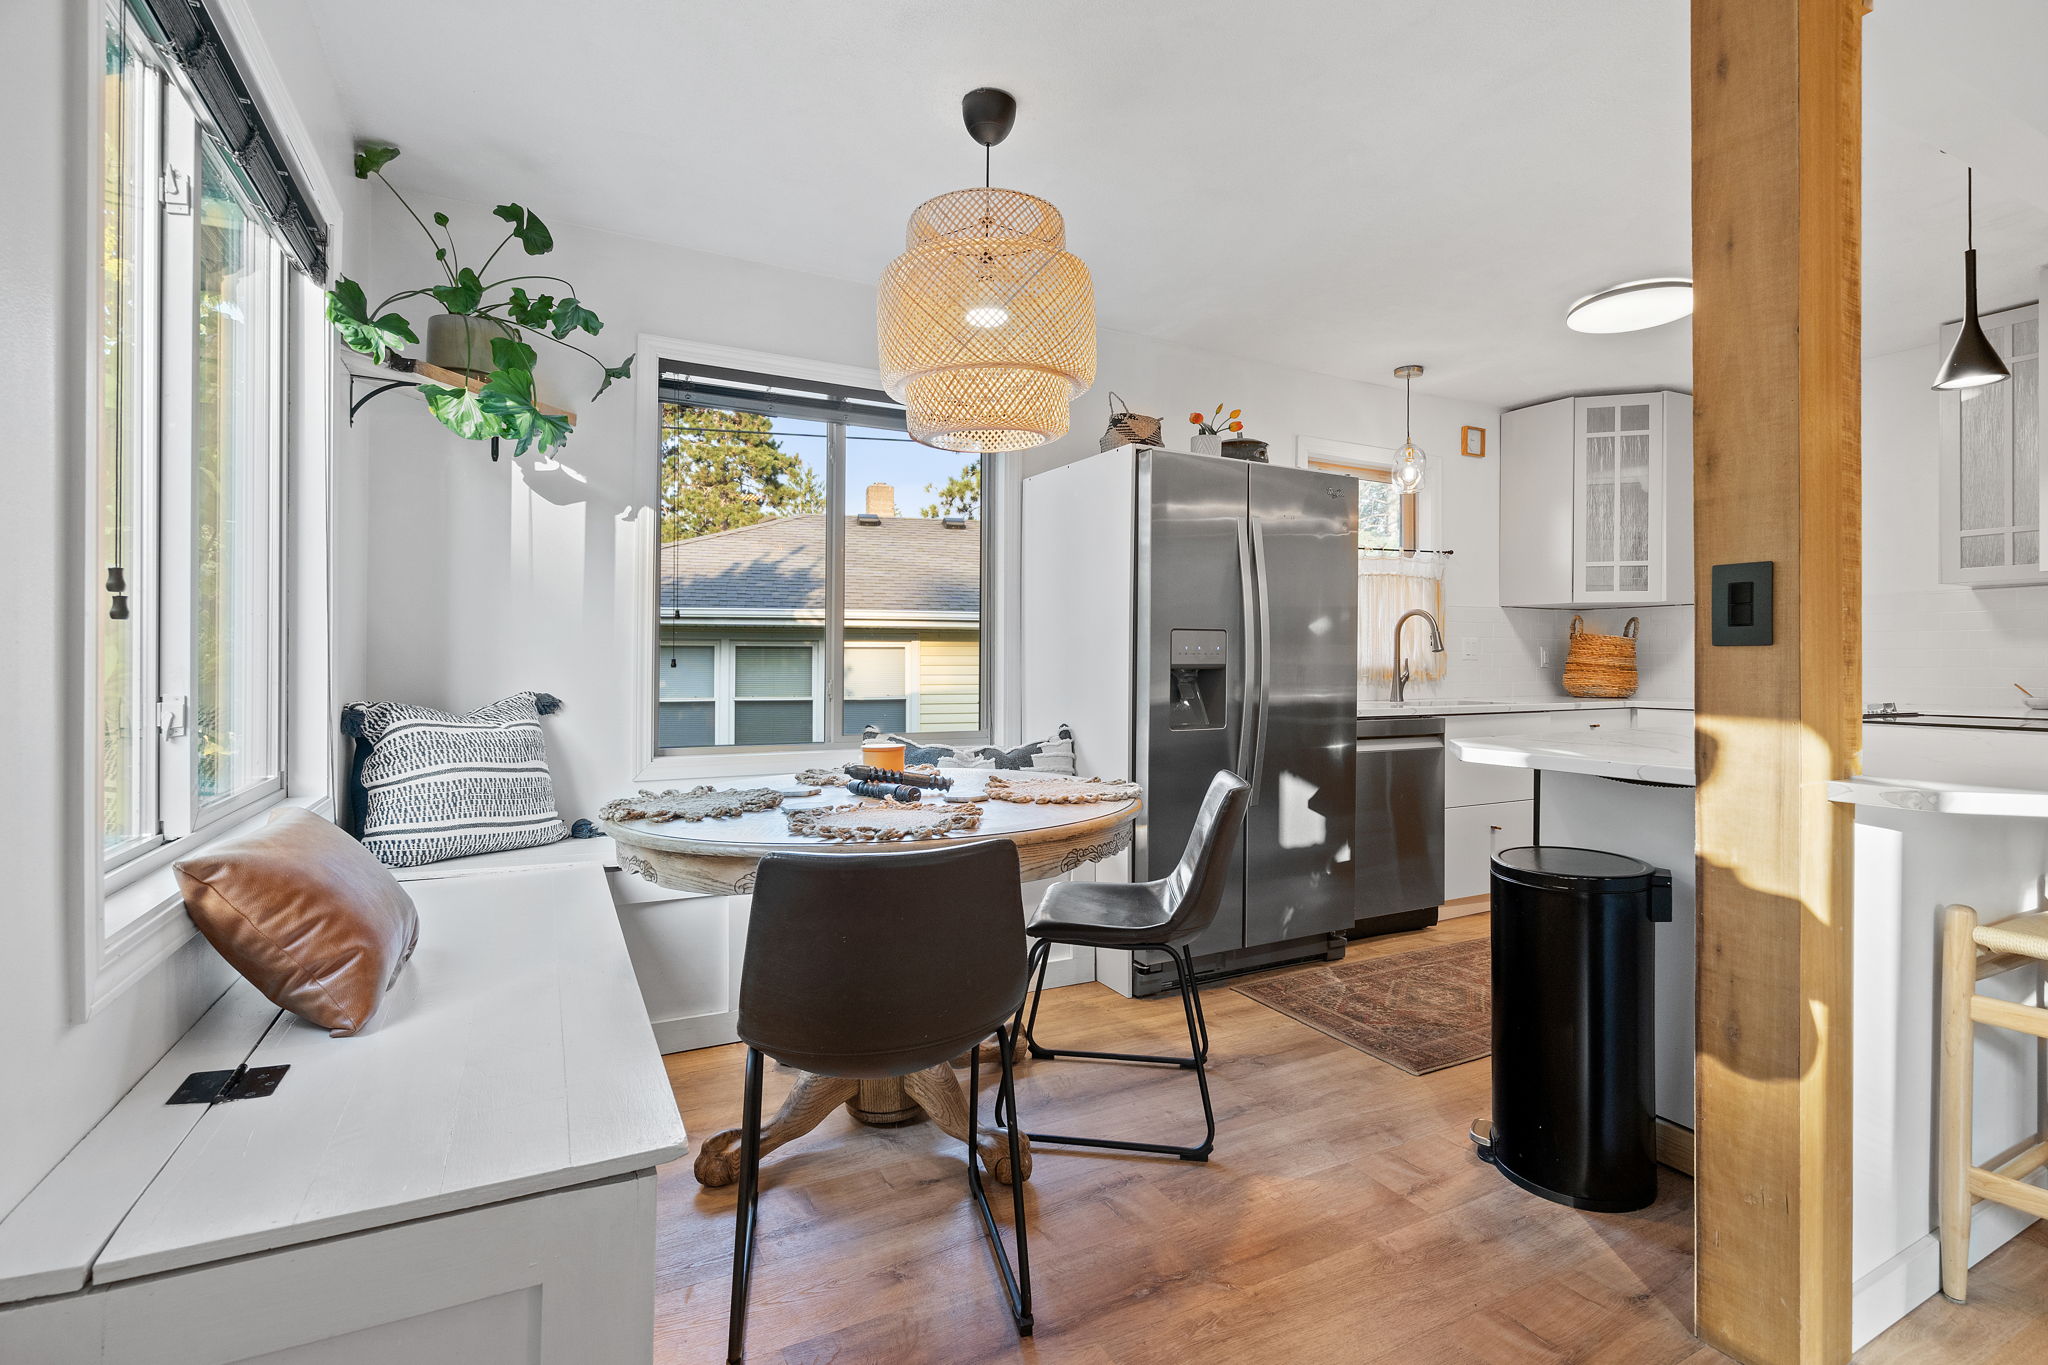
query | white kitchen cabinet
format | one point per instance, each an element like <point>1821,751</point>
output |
<point>1596,502</point>
<point>1991,490</point>
<point>1473,834</point>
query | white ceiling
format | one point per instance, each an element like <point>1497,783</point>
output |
<point>1338,185</point>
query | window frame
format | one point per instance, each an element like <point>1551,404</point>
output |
<point>166,612</point>
<point>1374,464</point>
<point>121,929</point>
<point>651,762</point>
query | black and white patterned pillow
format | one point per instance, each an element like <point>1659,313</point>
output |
<point>429,786</point>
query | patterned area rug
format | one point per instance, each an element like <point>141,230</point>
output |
<point>1422,1011</point>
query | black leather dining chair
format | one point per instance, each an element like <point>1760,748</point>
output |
<point>1166,915</point>
<point>882,964</point>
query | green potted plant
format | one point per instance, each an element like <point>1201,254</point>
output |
<point>481,330</point>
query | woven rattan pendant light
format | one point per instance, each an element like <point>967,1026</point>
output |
<point>985,324</point>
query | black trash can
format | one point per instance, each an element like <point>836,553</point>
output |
<point>1574,1071</point>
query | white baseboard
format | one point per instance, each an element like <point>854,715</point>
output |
<point>695,1031</point>
<point>1913,1276</point>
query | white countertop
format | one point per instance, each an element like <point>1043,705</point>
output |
<point>1377,707</point>
<point>1630,754</point>
<point>1950,798</point>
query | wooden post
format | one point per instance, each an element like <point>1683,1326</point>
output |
<point>1777,110</point>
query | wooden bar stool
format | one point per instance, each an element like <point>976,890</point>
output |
<point>1971,952</point>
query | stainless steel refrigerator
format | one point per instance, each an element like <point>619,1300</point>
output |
<point>1185,614</point>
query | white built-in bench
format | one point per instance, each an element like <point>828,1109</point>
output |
<point>469,1180</point>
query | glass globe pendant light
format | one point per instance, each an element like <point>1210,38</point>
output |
<point>1410,464</point>
<point>1973,361</point>
<point>985,324</point>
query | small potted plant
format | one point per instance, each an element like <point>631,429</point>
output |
<point>481,330</point>
<point>1208,437</point>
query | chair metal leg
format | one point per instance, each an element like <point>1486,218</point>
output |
<point>1187,962</point>
<point>1198,1046</point>
<point>1035,964</point>
<point>1017,1280</point>
<point>744,1213</point>
<point>1041,953</point>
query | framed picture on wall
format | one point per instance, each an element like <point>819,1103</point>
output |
<point>1472,441</point>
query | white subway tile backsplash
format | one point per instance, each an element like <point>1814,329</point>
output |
<point>1954,648</point>
<point>1511,637</point>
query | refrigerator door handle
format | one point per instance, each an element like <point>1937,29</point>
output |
<point>1257,729</point>
<point>1247,572</point>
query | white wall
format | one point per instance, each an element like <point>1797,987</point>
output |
<point>1929,645</point>
<point>59,1076</point>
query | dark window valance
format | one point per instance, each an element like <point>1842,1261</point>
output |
<point>712,386</point>
<point>188,33</point>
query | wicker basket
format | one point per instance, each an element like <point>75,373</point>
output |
<point>1601,665</point>
<point>1127,428</point>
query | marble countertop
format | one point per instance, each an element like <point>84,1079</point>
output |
<point>2015,718</point>
<point>1949,798</point>
<point>1631,754</point>
<point>1377,708</point>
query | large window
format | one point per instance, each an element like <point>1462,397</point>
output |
<point>191,416</point>
<point>820,572</point>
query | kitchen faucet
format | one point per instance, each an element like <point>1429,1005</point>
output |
<point>1399,686</point>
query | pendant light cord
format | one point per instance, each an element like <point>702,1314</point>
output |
<point>1970,208</point>
<point>1408,410</point>
<point>987,152</point>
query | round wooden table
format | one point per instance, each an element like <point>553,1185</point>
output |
<point>719,857</point>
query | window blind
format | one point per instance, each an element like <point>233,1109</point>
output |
<point>187,33</point>
<point>710,386</point>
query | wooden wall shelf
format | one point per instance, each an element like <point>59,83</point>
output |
<point>413,373</point>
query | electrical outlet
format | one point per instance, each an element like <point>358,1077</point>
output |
<point>1468,647</point>
<point>1543,656</point>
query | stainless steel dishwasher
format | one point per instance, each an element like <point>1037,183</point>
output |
<point>1400,867</point>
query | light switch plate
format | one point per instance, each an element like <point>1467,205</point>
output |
<point>1742,603</point>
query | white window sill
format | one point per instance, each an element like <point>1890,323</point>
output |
<point>144,921</point>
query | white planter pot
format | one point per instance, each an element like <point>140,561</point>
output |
<point>1206,445</point>
<point>463,343</point>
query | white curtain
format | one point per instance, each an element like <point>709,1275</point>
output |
<point>1389,584</point>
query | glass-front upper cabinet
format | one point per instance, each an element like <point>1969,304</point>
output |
<point>1616,484</point>
<point>1991,461</point>
<point>1596,501</point>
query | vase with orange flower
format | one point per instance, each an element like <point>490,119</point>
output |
<point>1208,437</point>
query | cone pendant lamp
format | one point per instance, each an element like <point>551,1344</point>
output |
<point>1973,361</point>
<point>986,324</point>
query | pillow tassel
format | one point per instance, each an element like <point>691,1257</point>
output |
<point>547,703</point>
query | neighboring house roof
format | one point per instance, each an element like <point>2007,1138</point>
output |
<point>906,565</point>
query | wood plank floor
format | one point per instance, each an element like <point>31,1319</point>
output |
<point>1343,1218</point>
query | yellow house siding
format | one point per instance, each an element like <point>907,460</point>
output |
<point>949,684</point>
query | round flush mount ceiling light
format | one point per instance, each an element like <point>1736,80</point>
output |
<point>1631,307</point>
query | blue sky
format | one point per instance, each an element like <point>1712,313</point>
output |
<point>875,455</point>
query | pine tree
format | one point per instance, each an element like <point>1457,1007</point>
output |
<point>959,496</point>
<point>722,469</point>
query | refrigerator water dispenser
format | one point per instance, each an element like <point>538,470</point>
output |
<point>1197,679</point>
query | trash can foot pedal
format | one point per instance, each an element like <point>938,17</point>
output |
<point>1482,1138</point>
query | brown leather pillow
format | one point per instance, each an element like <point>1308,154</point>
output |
<point>307,914</point>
